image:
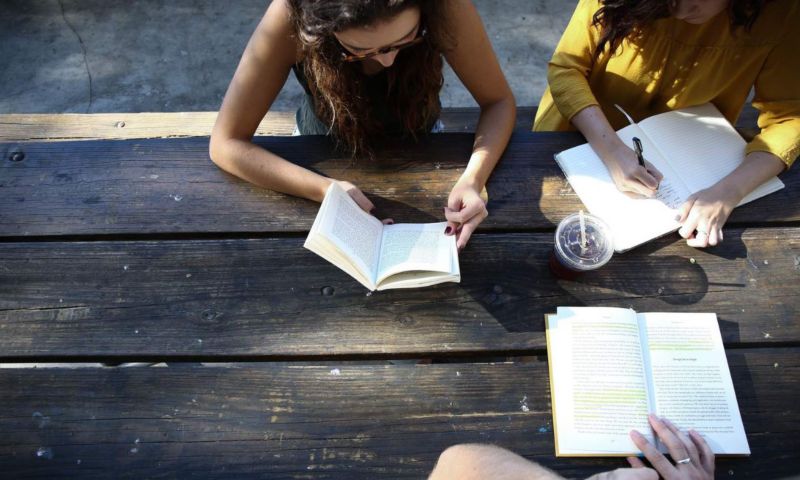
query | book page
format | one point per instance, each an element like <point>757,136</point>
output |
<point>633,221</point>
<point>415,247</point>
<point>701,146</point>
<point>598,379</point>
<point>691,381</point>
<point>352,230</point>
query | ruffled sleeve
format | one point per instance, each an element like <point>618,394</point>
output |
<point>777,97</point>
<point>572,61</point>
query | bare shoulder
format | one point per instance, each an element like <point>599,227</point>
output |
<point>275,32</point>
<point>461,17</point>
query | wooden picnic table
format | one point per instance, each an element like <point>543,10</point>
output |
<point>269,362</point>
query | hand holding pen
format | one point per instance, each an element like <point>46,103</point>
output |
<point>633,174</point>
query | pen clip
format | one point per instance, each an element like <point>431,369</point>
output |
<point>637,145</point>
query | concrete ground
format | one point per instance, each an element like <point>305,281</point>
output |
<point>158,56</point>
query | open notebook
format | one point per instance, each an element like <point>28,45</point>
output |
<point>693,148</point>
<point>610,367</point>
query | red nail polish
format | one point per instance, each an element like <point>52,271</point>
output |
<point>448,230</point>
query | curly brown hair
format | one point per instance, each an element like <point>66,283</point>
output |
<point>620,19</point>
<point>338,87</point>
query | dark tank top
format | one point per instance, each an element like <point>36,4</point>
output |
<point>376,90</point>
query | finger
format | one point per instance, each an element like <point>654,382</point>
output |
<point>706,454</point>
<point>656,458</point>
<point>451,213</point>
<point>687,443</point>
<point>361,200</point>
<point>468,228</point>
<point>634,195</point>
<point>387,221</point>
<point>674,445</point>
<point>713,236</point>
<point>700,239</point>
<point>686,208</point>
<point>638,183</point>
<point>654,171</point>
<point>647,178</point>
<point>459,216</point>
<point>636,462</point>
<point>689,225</point>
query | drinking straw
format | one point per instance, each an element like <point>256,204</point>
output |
<point>583,231</point>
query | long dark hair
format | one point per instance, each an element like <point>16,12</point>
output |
<point>620,19</point>
<point>414,79</point>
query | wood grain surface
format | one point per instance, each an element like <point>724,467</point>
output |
<point>171,186</point>
<point>271,297</point>
<point>331,421</point>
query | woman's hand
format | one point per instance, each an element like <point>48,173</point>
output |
<point>704,213</point>
<point>621,161</point>
<point>630,177</point>
<point>465,210</point>
<point>693,458</point>
<point>361,199</point>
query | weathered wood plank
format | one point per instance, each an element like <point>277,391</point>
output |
<point>24,127</point>
<point>265,297</point>
<point>379,421</point>
<point>171,186</point>
<point>48,127</point>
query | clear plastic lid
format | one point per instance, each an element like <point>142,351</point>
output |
<point>571,249</point>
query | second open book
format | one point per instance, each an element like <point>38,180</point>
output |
<point>403,255</point>
<point>693,148</point>
<point>610,367</point>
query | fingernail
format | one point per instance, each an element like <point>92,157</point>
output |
<point>448,230</point>
<point>390,222</point>
<point>677,218</point>
<point>636,433</point>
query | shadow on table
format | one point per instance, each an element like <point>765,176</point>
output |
<point>516,287</point>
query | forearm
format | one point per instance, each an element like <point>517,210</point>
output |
<point>265,169</point>
<point>487,462</point>
<point>757,168</point>
<point>593,124</point>
<point>494,129</point>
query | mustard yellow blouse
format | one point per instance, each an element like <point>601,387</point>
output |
<point>675,65</point>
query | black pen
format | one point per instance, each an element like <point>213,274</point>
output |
<point>637,147</point>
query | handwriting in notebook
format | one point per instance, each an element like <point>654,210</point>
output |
<point>669,195</point>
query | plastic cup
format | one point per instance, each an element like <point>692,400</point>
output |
<point>569,259</point>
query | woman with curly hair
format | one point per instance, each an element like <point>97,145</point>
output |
<point>651,56</point>
<point>371,69</point>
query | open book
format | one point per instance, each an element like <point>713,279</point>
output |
<point>693,148</point>
<point>403,255</point>
<point>610,367</point>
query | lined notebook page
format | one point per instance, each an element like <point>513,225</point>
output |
<point>702,147</point>
<point>633,221</point>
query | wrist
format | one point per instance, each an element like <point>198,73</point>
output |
<point>730,191</point>
<point>321,188</point>
<point>469,181</point>
<point>612,153</point>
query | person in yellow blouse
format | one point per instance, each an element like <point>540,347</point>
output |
<point>653,56</point>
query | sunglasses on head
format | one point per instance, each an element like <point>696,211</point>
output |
<point>348,56</point>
